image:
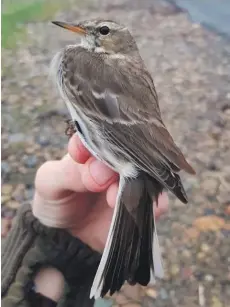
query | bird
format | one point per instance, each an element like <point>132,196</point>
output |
<point>113,102</point>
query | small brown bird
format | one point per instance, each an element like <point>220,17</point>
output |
<point>112,99</point>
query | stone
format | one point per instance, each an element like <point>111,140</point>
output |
<point>209,223</point>
<point>103,303</point>
<point>205,247</point>
<point>30,161</point>
<point>7,189</point>
<point>5,167</point>
<point>186,253</point>
<point>163,294</point>
<point>216,302</point>
<point>13,204</point>
<point>5,198</point>
<point>186,273</point>
<point>16,138</point>
<point>208,211</point>
<point>43,140</point>
<point>174,270</point>
<point>208,278</point>
<point>192,233</point>
<point>151,292</point>
<point>210,186</point>
<point>19,193</point>
<point>201,256</point>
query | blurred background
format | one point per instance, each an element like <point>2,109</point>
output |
<point>186,46</point>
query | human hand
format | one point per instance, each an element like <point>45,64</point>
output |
<point>78,193</point>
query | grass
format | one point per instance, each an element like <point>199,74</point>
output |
<point>17,13</point>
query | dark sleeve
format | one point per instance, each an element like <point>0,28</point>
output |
<point>30,246</point>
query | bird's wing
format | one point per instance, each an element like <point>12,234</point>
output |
<point>121,97</point>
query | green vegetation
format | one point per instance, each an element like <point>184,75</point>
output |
<point>16,13</point>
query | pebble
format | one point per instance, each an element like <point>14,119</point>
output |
<point>16,138</point>
<point>186,253</point>
<point>174,270</point>
<point>103,303</point>
<point>192,233</point>
<point>151,292</point>
<point>19,193</point>
<point>208,278</point>
<point>5,198</point>
<point>213,166</point>
<point>43,140</point>
<point>13,204</point>
<point>201,256</point>
<point>5,167</point>
<point>205,247</point>
<point>186,273</point>
<point>7,189</point>
<point>29,193</point>
<point>216,302</point>
<point>30,161</point>
<point>210,186</point>
<point>209,223</point>
<point>30,150</point>
<point>208,211</point>
<point>22,170</point>
<point>163,294</point>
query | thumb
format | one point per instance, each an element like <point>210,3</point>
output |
<point>96,176</point>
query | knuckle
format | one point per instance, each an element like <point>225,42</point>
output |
<point>42,175</point>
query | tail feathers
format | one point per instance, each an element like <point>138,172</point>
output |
<point>132,251</point>
<point>172,182</point>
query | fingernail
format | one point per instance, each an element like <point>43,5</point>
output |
<point>100,172</point>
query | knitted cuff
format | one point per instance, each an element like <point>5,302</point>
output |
<point>31,246</point>
<point>17,243</point>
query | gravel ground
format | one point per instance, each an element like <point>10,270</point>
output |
<point>191,70</point>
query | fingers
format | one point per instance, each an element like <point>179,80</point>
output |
<point>56,179</point>
<point>159,210</point>
<point>77,150</point>
<point>96,176</point>
<point>162,207</point>
<point>111,194</point>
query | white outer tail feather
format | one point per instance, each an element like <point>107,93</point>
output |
<point>98,280</point>
<point>158,267</point>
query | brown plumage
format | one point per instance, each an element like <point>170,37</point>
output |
<point>111,96</point>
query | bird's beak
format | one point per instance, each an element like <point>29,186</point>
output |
<point>71,27</point>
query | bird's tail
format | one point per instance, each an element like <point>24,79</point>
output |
<point>132,250</point>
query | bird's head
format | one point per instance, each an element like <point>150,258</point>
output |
<point>102,36</point>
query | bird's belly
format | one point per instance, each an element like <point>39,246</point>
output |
<point>99,147</point>
<point>102,150</point>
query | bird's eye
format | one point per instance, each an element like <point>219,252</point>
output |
<point>104,30</point>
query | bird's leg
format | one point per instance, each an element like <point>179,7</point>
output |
<point>71,128</point>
